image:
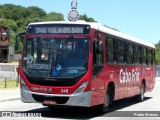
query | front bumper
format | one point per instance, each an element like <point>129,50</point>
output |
<point>83,100</point>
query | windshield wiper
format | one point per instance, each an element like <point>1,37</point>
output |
<point>60,50</point>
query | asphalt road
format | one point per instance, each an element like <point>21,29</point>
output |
<point>121,110</point>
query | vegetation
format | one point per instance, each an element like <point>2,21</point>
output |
<point>16,18</point>
<point>86,18</point>
<point>8,84</point>
<point>158,53</point>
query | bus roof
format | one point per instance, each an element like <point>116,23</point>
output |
<point>101,28</point>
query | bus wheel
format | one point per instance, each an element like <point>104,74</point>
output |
<point>105,107</point>
<point>140,97</point>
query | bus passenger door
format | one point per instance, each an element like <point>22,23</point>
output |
<point>97,71</point>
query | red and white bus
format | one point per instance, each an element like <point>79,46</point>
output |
<point>83,64</point>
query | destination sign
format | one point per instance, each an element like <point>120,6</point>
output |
<point>59,29</point>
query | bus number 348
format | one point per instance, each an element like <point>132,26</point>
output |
<point>64,90</point>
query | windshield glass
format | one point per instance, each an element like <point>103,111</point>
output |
<point>53,57</point>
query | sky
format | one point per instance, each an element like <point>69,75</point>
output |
<point>139,18</point>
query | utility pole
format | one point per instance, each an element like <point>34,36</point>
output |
<point>73,14</point>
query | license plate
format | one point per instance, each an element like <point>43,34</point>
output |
<point>49,102</point>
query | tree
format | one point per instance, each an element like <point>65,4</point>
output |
<point>86,18</point>
<point>157,53</point>
<point>53,16</point>
<point>35,12</point>
<point>14,12</point>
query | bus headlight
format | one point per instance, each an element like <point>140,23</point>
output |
<point>24,86</point>
<point>81,88</point>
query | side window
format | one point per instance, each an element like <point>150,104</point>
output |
<point>143,55</point>
<point>152,57</point>
<point>120,52</point>
<point>130,52</point>
<point>114,50</point>
<point>137,55</point>
<point>109,50</point>
<point>149,57</point>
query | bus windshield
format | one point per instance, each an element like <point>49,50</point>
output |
<point>56,57</point>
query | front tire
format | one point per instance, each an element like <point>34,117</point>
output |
<point>105,107</point>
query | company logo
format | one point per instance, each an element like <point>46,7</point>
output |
<point>125,76</point>
<point>42,89</point>
<point>39,89</point>
<point>50,90</point>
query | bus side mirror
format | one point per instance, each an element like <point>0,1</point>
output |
<point>16,45</point>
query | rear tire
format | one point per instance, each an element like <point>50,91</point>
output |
<point>140,97</point>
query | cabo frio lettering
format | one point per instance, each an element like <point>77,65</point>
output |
<point>125,76</point>
<point>39,88</point>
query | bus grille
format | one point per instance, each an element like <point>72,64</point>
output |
<point>55,82</point>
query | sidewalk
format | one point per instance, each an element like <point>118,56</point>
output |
<point>9,95</point>
<point>14,94</point>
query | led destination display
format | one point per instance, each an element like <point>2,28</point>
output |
<point>59,29</point>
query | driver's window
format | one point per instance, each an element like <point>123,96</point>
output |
<point>97,53</point>
<point>97,57</point>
